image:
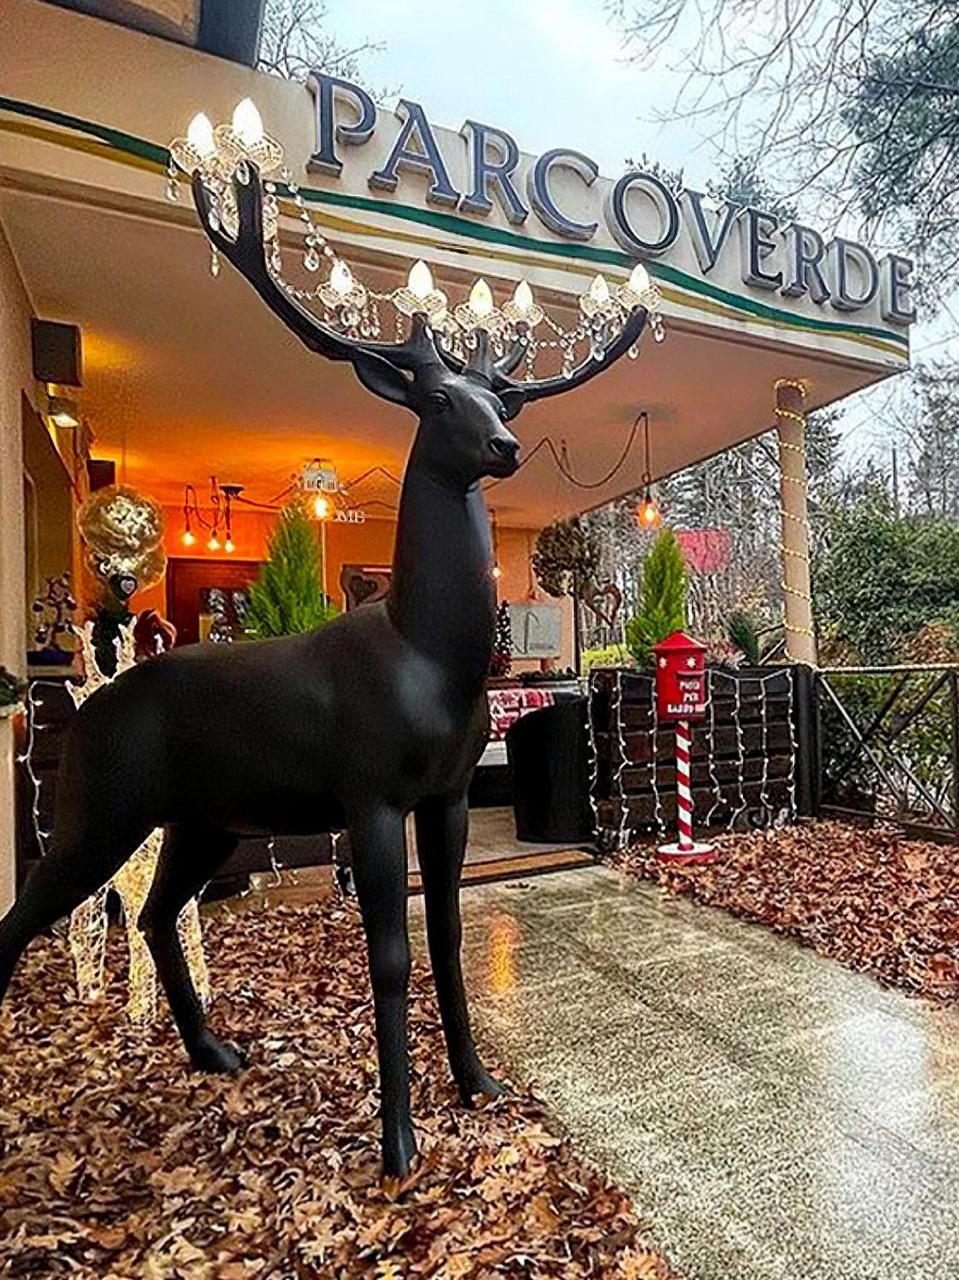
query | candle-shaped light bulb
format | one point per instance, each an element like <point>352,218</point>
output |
<point>247,124</point>
<point>523,296</point>
<point>214,543</point>
<point>639,279</point>
<point>420,280</point>
<point>200,135</point>
<point>321,507</point>
<point>228,545</point>
<point>188,539</point>
<point>341,278</point>
<point>599,289</point>
<point>481,299</point>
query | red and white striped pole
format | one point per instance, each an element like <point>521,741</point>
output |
<point>684,796</point>
<point>681,696</point>
<point>686,850</point>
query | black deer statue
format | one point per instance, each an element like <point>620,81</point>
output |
<point>381,713</point>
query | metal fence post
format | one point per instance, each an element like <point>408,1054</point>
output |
<point>808,763</point>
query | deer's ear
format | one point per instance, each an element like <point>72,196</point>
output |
<point>512,400</point>
<point>382,378</point>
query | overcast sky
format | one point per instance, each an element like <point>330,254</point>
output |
<point>553,73</point>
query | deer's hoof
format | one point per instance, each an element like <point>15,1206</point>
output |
<point>399,1153</point>
<point>479,1082</point>
<point>216,1057</point>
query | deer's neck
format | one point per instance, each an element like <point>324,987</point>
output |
<point>442,597</point>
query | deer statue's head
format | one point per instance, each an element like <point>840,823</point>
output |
<point>462,406</point>
<point>463,413</point>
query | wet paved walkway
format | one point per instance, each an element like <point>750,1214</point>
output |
<point>775,1116</point>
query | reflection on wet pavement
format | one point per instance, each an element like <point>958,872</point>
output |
<point>775,1116</point>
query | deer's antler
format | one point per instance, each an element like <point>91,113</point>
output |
<point>248,255</point>
<point>246,252</point>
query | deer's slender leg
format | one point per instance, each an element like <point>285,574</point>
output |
<point>188,859</point>
<point>441,831</point>
<point>79,861</point>
<point>378,843</point>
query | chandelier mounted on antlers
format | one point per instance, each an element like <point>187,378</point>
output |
<point>241,152</point>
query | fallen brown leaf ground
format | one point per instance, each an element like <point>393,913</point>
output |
<point>866,897</point>
<point>116,1163</point>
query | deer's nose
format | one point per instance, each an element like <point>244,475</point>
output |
<point>505,447</point>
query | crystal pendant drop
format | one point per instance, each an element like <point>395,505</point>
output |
<point>243,172</point>
<point>633,352</point>
<point>311,259</point>
<point>214,261</point>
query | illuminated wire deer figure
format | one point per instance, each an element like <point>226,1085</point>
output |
<point>381,713</point>
<point>88,923</point>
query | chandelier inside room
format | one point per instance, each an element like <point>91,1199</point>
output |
<point>243,152</point>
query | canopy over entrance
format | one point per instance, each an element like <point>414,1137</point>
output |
<point>185,374</point>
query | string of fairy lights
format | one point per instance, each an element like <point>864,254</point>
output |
<point>610,687</point>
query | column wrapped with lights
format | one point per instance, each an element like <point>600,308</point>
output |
<point>242,149</point>
<point>794,538</point>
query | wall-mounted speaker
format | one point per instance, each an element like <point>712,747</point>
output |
<point>56,353</point>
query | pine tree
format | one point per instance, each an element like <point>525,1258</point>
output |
<point>662,608</point>
<point>287,596</point>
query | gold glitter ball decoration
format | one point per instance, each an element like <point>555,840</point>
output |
<point>123,532</point>
<point>118,519</point>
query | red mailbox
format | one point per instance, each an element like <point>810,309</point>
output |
<point>680,678</point>
<point>681,697</point>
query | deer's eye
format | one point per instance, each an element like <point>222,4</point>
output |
<point>439,401</point>
<point>503,413</point>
